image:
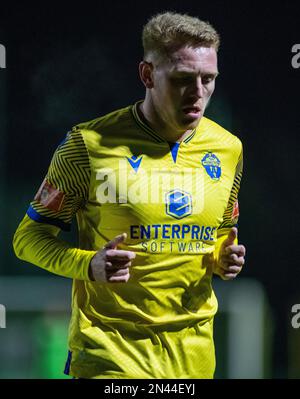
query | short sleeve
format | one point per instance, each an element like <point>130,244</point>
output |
<point>231,214</point>
<point>65,188</point>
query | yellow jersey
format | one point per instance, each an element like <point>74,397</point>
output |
<point>176,202</point>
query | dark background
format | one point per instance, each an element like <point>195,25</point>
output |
<point>68,65</point>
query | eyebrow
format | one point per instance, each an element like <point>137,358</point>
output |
<point>190,72</point>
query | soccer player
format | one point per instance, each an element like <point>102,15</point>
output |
<point>154,188</point>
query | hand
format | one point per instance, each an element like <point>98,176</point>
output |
<point>111,264</point>
<point>231,258</point>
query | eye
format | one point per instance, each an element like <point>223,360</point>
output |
<point>182,79</point>
<point>207,79</point>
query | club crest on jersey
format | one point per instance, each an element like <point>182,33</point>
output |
<point>212,165</point>
<point>178,204</point>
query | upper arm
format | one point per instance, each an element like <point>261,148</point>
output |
<point>65,188</point>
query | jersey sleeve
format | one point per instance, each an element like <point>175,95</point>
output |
<point>63,192</point>
<point>65,188</point>
<point>231,214</point>
<point>39,244</point>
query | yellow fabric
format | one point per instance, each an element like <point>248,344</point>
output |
<point>143,353</point>
<point>38,243</point>
<point>159,323</point>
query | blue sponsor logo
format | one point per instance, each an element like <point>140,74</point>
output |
<point>178,204</point>
<point>212,165</point>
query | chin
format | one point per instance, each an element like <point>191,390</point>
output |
<point>191,124</point>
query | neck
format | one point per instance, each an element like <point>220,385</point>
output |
<point>153,119</point>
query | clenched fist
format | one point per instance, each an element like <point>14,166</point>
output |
<point>231,257</point>
<point>111,264</point>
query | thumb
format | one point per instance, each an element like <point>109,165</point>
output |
<point>112,244</point>
<point>232,235</point>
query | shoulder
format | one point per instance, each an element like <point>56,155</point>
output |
<point>106,130</point>
<point>221,135</point>
<point>104,122</point>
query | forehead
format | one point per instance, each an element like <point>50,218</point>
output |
<point>196,59</point>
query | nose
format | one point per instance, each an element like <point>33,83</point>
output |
<point>198,87</point>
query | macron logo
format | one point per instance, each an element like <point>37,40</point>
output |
<point>134,162</point>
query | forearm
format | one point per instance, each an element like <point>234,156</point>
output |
<point>39,244</point>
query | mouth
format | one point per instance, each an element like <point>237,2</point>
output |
<point>192,110</point>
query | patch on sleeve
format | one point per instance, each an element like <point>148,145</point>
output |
<point>50,197</point>
<point>235,211</point>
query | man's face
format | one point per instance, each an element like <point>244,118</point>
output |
<point>183,85</point>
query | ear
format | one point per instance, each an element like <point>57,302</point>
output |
<point>146,74</point>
